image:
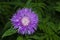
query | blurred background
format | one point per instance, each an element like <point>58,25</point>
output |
<point>49,19</point>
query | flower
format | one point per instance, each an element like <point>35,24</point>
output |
<point>25,21</point>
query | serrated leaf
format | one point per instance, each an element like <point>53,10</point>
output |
<point>19,38</point>
<point>9,32</point>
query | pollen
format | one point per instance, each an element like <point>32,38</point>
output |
<point>25,21</point>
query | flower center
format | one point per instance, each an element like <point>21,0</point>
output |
<point>25,21</point>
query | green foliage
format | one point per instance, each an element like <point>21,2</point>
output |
<point>58,6</point>
<point>19,38</point>
<point>8,25</point>
<point>9,32</point>
<point>48,12</point>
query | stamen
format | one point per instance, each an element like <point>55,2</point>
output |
<point>25,21</point>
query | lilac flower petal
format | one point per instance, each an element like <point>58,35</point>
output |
<point>25,21</point>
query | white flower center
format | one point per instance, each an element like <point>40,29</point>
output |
<point>25,21</point>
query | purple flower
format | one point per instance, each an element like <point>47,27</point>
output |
<point>25,21</point>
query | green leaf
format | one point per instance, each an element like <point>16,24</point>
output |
<point>53,26</point>
<point>43,37</point>
<point>58,6</point>
<point>9,32</point>
<point>8,25</point>
<point>55,37</point>
<point>19,38</point>
<point>13,3</point>
<point>35,37</point>
<point>28,3</point>
<point>29,39</point>
<point>38,37</point>
<point>59,26</point>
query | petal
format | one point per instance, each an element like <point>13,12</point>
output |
<point>22,30</point>
<point>30,30</point>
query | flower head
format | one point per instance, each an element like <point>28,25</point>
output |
<point>25,21</point>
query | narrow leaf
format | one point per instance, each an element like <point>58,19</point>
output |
<point>9,32</point>
<point>8,25</point>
